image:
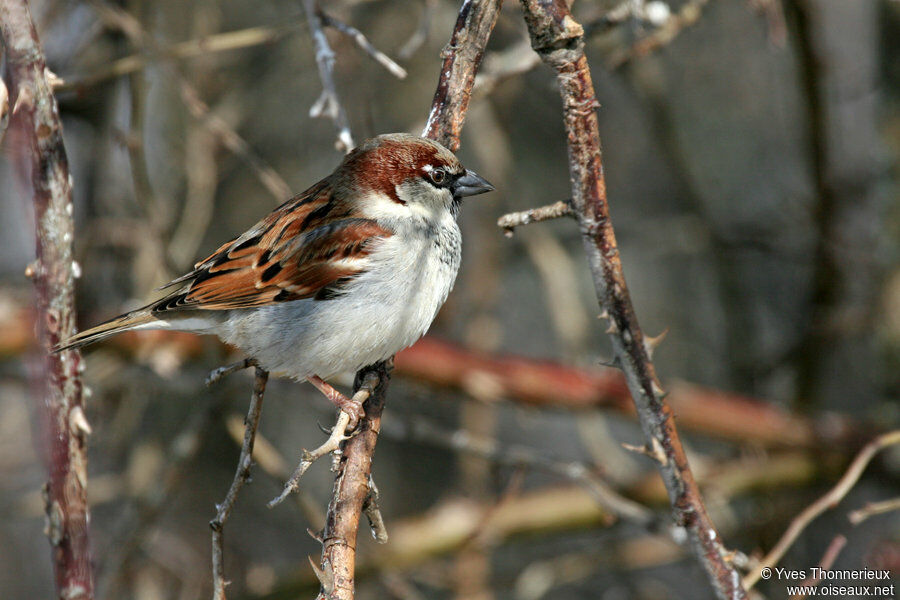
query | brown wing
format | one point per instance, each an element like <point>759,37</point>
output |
<point>307,248</point>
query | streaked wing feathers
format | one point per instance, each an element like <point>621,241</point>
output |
<point>307,248</point>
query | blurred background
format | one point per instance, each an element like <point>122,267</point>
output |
<point>749,151</point>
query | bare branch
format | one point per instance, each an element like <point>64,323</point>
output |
<point>420,36</point>
<point>219,42</point>
<point>351,489</point>
<point>59,402</point>
<point>664,35</point>
<point>421,431</point>
<point>241,476</point>
<point>462,56</point>
<point>332,444</point>
<point>831,554</point>
<point>559,40</point>
<point>510,221</point>
<point>363,42</point>
<point>328,105</point>
<point>829,500</point>
<point>873,508</point>
<point>119,19</point>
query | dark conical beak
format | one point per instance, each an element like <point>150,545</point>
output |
<point>469,184</point>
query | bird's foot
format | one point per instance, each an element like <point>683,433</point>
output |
<point>352,407</point>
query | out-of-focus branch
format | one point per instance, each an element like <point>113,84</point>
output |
<point>219,42</point>
<point>829,500</point>
<point>560,41</point>
<point>421,431</point>
<point>462,56</point>
<point>120,20</point>
<point>552,385</point>
<point>40,152</point>
<point>873,508</point>
<point>4,109</point>
<point>664,35</point>
<point>365,45</point>
<point>351,489</point>
<point>328,105</point>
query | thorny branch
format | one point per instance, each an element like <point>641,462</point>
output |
<point>560,41</point>
<point>351,490</point>
<point>38,145</point>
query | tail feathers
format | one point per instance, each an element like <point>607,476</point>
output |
<point>132,320</point>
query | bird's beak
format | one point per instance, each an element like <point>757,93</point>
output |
<point>469,184</point>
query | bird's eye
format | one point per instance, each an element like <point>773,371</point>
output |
<point>438,176</point>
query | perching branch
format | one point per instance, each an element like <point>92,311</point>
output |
<point>40,153</point>
<point>559,39</point>
<point>351,490</point>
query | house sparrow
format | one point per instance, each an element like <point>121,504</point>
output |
<point>342,276</point>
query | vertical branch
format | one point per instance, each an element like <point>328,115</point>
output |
<point>462,56</point>
<point>351,487</point>
<point>559,40</point>
<point>241,476</point>
<point>37,128</point>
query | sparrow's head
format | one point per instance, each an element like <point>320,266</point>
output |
<point>410,171</point>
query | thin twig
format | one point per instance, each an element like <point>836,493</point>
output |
<point>328,105</point>
<point>462,56</point>
<point>829,500</point>
<point>4,109</point>
<point>664,35</point>
<point>241,476</point>
<point>421,431</point>
<point>363,42</point>
<point>59,400</point>
<point>873,508</point>
<point>420,35</point>
<point>119,19</point>
<point>333,443</point>
<point>216,375</point>
<point>182,451</point>
<point>559,39</point>
<point>831,554</point>
<point>510,221</point>
<point>219,42</point>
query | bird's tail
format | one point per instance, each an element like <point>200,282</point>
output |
<point>133,320</point>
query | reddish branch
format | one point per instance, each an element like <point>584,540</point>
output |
<point>37,142</point>
<point>560,42</point>
<point>548,384</point>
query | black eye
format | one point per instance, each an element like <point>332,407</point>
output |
<point>438,176</point>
